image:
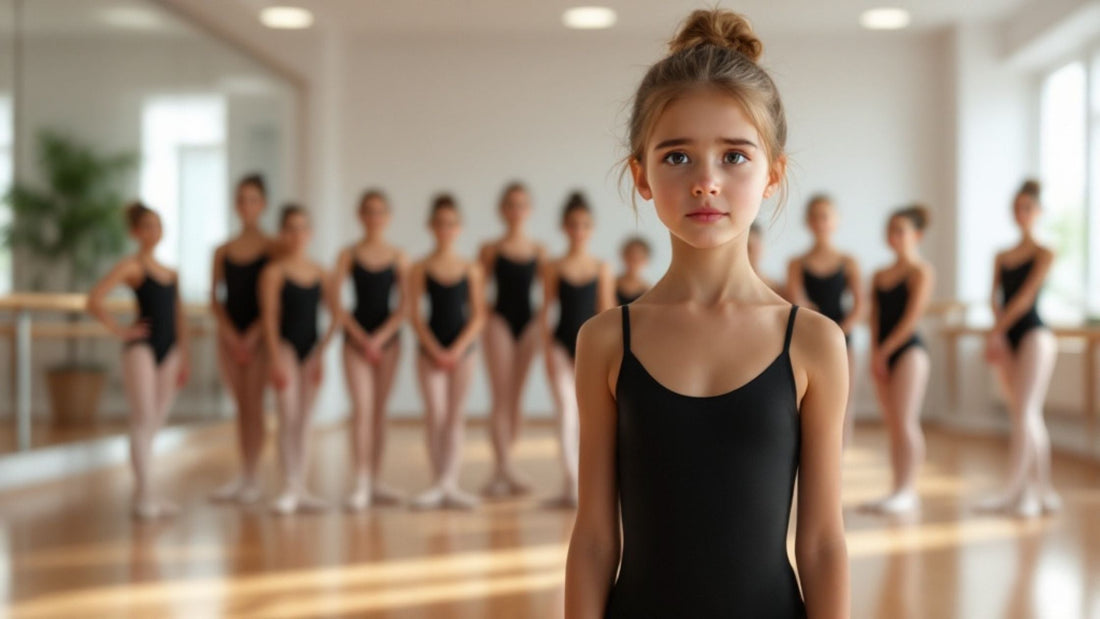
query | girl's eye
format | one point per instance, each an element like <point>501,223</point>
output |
<point>676,158</point>
<point>735,158</point>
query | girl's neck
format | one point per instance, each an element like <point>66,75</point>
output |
<point>251,230</point>
<point>513,233</point>
<point>373,237</point>
<point>1027,239</point>
<point>577,250</point>
<point>822,245</point>
<point>715,274</point>
<point>145,254</point>
<point>908,257</point>
<point>444,251</point>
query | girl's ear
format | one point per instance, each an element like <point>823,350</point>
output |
<point>775,176</point>
<point>641,183</point>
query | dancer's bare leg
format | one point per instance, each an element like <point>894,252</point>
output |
<point>246,387</point>
<point>454,433</point>
<point>1034,366</point>
<point>1019,449</point>
<point>433,389</point>
<point>384,373</point>
<point>526,349</point>
<point>500,351</point>
<point>307,397</point>
<point>140,379</point>
<point>361,388</point>
<point>907,386</point>
<point>563,387</point>
<point>288,402</point>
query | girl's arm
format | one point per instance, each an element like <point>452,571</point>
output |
<point>859,299</point>
<point>995,293</point>
<point>795,290</point>
<point>401,310</point>
<point>1025,296</point>
<point>217,308</point>
<point>594,548</point>
<point>126,271</point>
<point>920,291</point>
<point>420,327</point>
<point>333,289</point>
<point>605,288</point>
<point>873,318</point>
<point>271,283</point>
<point>478,315</point>
<point>331,299</point>
<point>486,256</point>
<point>821,553</point>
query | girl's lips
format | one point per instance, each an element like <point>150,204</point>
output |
<point>706,215</point>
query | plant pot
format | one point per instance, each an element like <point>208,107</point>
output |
<point>74,394</point>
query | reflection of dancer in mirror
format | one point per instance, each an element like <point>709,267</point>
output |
<point>155,352</point>
<point>630,284</point>
<point>899,361</point>
<point>822,277</point>
<point>699,477</point>
<point>237,267</point>
<point>371,347</point>
<point>445,364</point>
<point>582,286</point>
<point>291,291</point>
<point>756,252</point>
<point>1023,350</point>
<point>511,336</point>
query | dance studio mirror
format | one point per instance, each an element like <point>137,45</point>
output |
<point>125,79</point>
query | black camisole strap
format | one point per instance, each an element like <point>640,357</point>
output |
<point>786,338</point>
<point>626,329</point>
<point>790,330</point>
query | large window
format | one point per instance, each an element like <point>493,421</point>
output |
<point>1062,152</point>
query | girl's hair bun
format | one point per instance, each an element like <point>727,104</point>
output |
<point>719,28</point>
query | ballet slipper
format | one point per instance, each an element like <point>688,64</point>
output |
<point>457,499</point>
<point>431,498</point>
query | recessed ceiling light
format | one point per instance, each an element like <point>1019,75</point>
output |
<point>884,19</point>
<point>286,17</point>
<point>589,17</point>
<point>131,17</point>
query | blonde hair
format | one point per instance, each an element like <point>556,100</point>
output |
<point>714,49</point>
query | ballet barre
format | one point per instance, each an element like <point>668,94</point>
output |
<point>22,329</point>
<point>1090,335</point>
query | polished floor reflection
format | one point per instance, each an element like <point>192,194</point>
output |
<point>69,550</point>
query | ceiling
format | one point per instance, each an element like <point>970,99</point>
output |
<point>636,17</point>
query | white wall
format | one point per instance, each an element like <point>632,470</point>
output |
<point>867,116</point>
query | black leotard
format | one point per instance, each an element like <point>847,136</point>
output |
<point>576,304</point>
<point>705,487</point>
<point>298,310</point>
<point>372,296</point>
<point>1012,279</point>
<point>241,291</point>
<point>157,309</point>
<point>449,309</point>
<point>514,281</point>
<point>827,293</point>
<point>623,298</point>
<point>891,307</point>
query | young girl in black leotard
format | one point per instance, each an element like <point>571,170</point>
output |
<point>581,285</point>
<point>445,365</point>
<point>630,284</point>
<point>377,271</point>
<point>1024,350</point>
<point>899,361</point>
<point>292,289</point>
<point>511,336</point>
<point>155,359</point>
<point>237,267</point>
<point>828,281</point>
<point>701,401</point>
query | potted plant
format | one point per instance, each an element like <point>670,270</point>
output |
<point>65,229</point>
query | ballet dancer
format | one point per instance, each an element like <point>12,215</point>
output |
<point>155,351</point>
<point>377,272</point>
<point>511,336</point>
<point>1023,350</point>
<point>446,362</point>
<point>292,288</point>
<point>899,360</point>
<point>821,277</point>
<point>581,285</point>
<point>237,267</point>
<point>699,476</point>
<point>630,285</point>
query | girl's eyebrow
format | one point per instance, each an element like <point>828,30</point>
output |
<point>686,141</point>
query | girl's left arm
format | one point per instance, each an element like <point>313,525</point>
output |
<point>819,355</point>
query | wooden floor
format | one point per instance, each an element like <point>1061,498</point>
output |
<point>69,550</point>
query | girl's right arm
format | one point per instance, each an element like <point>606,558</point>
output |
<point>225,327</point>
<point>340,316</point>
<point>416,291</point>
<point>271,283</point>
<point>594,548</point>
<point>125,271</point>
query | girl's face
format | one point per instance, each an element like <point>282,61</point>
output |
<point>1026,210</point>
<point>296,233</point>
<point>374,214</point>
<point>901,235</point>
<point>706,169</point>
<point>445,225</point>
<point>578,226</point>
<point>635,258</point>
<point>516,207</point>
<point>147,231</point>
<point>821,219</point>
<point>250,203</point>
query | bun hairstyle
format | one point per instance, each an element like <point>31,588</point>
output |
<point>573,203</point>
<point>509,189</point>
<point>917,214</point>
<point>372,194</point>
<point>1031,189</point>
<point>290,210</point>
<point>442,201</point>
<point>135,212</point>
<point>716,50</point>
<point>639,242</point>
<point>253,180</point>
